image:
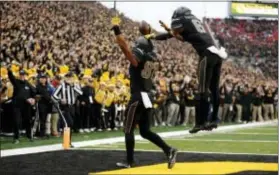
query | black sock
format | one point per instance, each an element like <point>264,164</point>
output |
<point>130,146</point>
<point>155,139</point>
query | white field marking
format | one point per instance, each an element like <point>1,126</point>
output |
<point>270,127</point>
<point>197,152</point>
<point>55,147</point>
<point>236,141</point>
<point>248,133</point>
<point>209,140</point>
<point>109,146</point>
<point>273,128</point>
<point>98,148</point>
<point>228,133</point>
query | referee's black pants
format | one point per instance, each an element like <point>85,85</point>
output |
<point>69,114</point>
<point>209,71</point>
<point>136,113</point>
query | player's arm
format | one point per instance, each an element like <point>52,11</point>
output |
<point>161,36</point>
<point>124,45</point>
<point>168,34</point>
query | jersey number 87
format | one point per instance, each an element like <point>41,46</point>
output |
<point>148,70</point>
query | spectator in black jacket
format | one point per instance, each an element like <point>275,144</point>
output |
<point>268,101</point>
<point>276,106</point>
<point>44,105</point>
<point>182,96</point>
<point>173,104</point>
<point>190,103</point>
<point>238,105</point>
<point>222,102</point>
<point>87,121</point>
<point>257,105</point>
<point>246,101</point>
<point>228,107</point>
<point>23,101</point>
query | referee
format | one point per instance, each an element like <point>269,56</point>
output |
<point>67,93</point>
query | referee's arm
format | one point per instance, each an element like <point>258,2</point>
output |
<point>78,90</point>
<point>57,93</point>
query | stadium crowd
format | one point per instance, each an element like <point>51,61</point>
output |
<point>47,47</point>
<point>255,40</point>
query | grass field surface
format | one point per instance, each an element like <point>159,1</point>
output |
<point>262,140</point>
<point>242,151</point>
<point>7,142</point>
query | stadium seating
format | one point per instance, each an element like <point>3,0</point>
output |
<point>58,37</point>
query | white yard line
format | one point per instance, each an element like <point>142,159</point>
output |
<point>213,140</point>
<point>109,146</point>
<point>198,152</point>
<point>250,133</point>
<point>55,147</point>
<point>260,130</point>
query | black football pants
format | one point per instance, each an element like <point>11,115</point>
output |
<point>209,70</point>
<point>136,113</point>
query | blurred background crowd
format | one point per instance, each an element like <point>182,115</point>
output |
<point>46,44</point>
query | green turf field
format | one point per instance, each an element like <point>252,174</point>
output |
<point>260,140</point>
<point>246,151</point>
<point>7,142</point>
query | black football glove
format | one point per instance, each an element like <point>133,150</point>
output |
<point>116,30</point>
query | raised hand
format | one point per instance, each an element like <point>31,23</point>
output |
<point>164,26</point>
<point>115,21</point>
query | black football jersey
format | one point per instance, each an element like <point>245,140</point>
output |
<point>195,33</point>
<point>141,76</point>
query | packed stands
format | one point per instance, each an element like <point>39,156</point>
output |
<point>62,37</point>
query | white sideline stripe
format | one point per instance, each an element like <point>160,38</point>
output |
<point>203,140</point>
<point>198,152</point>
<point>248,133</point>
<point>222,132</point>
<point>55,147</point>
<point>265,129</point>
<point>109,146</point>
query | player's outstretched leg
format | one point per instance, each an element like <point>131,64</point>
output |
<point>146,133</point>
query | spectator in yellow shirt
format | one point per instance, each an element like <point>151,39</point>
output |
<point>99,99</point>
<point>110,107</point>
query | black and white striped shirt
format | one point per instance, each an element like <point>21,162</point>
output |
<point>68,93</point>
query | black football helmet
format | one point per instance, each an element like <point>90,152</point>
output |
<point>143,49</point>
<point>178,16</point>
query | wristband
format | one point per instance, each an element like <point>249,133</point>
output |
<point>116,30</point>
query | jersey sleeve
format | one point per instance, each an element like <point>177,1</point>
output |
<point>138,53</point>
